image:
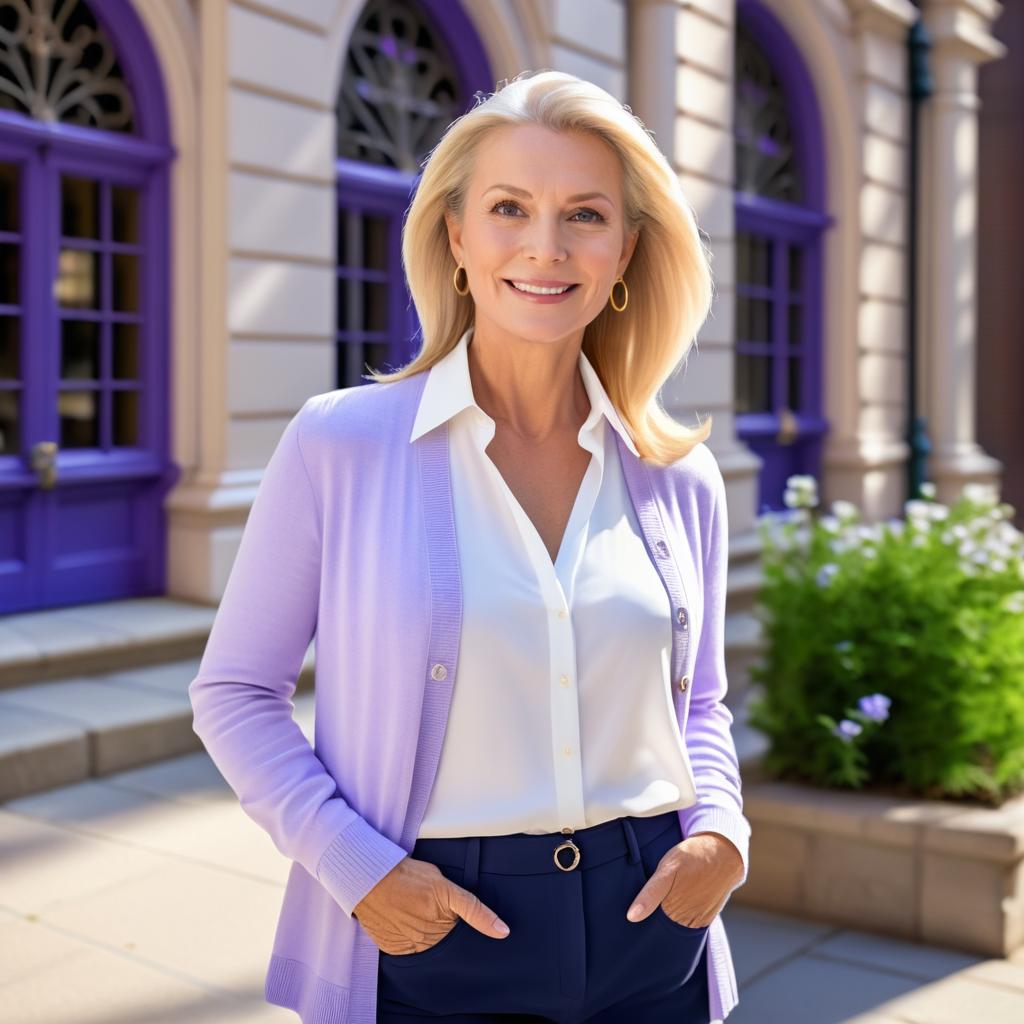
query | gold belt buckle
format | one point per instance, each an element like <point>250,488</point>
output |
<point>567,845</point>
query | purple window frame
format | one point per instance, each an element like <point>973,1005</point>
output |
<point>375,190</point>
<point>784,225</point>
<point>43,151</point>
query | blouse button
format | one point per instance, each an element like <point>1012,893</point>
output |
<point>439,672</point>
<point>662,548</point>
<point>684,682</point>
<point>681,616</point>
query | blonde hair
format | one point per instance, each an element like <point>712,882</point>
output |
<point>668,276</point>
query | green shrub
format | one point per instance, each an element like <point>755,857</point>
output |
<point>894,651</point>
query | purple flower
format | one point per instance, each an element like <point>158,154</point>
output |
<point>875,706</point>
<point>825,574</point>
<point>847,729</point>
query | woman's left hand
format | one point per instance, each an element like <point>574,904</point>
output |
<point>692,882</point>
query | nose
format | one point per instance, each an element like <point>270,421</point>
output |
<point>544,242</point>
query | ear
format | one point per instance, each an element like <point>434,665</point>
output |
<point>627,250</point>
<point>454,235</point>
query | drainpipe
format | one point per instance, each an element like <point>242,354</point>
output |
<point>921,87</point>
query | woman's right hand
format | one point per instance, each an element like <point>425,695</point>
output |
<point>414,906</point>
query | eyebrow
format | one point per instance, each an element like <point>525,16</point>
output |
<point>578,198</point>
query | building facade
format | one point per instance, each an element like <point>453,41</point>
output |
<point>202,207</point>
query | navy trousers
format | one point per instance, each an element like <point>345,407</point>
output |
<point>571,956</point>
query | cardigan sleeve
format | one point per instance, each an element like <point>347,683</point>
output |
<point>709,741</point>
<point>241,697</point>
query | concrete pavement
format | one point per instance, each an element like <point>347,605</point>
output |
<point>148,897</point>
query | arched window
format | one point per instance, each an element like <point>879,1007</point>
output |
<point>83,154</point>
<point>779,223</point>
<point>411,68</point>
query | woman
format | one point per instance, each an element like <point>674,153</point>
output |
<point>513,563</point>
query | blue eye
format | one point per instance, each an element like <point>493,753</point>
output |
<point>596,218</point>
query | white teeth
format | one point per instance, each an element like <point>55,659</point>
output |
<point>540,291</point>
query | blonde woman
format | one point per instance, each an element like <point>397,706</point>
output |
<point>513,562</point>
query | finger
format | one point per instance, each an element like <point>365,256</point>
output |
<point>654,890</point>
<point>468,906</point>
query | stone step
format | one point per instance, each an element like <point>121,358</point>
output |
<point>101,637</point>
<point>61,731</point>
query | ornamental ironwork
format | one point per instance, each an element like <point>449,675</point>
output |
<point>399,91</point>
<point>57,64</point>
<point>765,164</point>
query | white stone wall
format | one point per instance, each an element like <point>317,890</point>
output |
<point>252,86</point>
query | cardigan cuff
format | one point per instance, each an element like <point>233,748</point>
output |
<point>729,824</point>
<point>356,860</point>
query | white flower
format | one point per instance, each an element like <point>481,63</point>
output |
<point>980,494</point>
<point>928,489</point>
<point>830,524</point>
<point>937,511</point>
<point>845,510</point>
<point>917,509</point>
<point>1014,602</point>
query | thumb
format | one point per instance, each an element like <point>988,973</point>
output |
<point>654,890</point>
<point>468,906</point>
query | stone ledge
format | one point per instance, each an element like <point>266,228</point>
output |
<point>937,872</point>
<point>57,733</point>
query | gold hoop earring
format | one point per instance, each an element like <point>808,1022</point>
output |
<point>455,279</point>
<point>611,296</point>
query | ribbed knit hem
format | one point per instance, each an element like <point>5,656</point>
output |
<point>730,824</point>
<point>293,985</point>
<point>357,859</point>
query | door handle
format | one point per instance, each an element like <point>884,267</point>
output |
<point>44,462</point>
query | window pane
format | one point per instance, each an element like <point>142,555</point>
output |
<point>126,282</point>
<point>80,350</point>
<point>126,417</point>
<point>375,306</point>
<point>375,243</point>
<point>795,397</point>
<point>10,349</point>
<point>753,260</point>
<point>80,208</point>
<point>796,269</point>
<point>126,352</point>
<point>10,432</point>
<point>125,210</point>
<point>10,275</point>
<point>79,419</point>
<point>753,320</point>
<point>78,279</point>
<point>796,323</point>
<point>753,383</point>
<point>9,194</point>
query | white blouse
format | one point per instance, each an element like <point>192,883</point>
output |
<point>562,710</point>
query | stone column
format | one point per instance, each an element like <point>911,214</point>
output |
<point>959,31</point>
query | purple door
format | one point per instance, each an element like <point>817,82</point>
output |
<point>83,318</point>
<point>779,227</point>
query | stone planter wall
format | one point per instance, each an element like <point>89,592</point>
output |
<point>936,872</point>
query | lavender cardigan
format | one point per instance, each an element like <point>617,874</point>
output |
<point>351,539</point>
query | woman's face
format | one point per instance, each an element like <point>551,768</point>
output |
<point>543,207</point>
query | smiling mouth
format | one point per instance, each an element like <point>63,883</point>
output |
<point>532,290</point>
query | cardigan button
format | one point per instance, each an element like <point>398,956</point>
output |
<point>439,672</point>
<point>681,616</point>
<point>684,683</point>
<point>662,548</point>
